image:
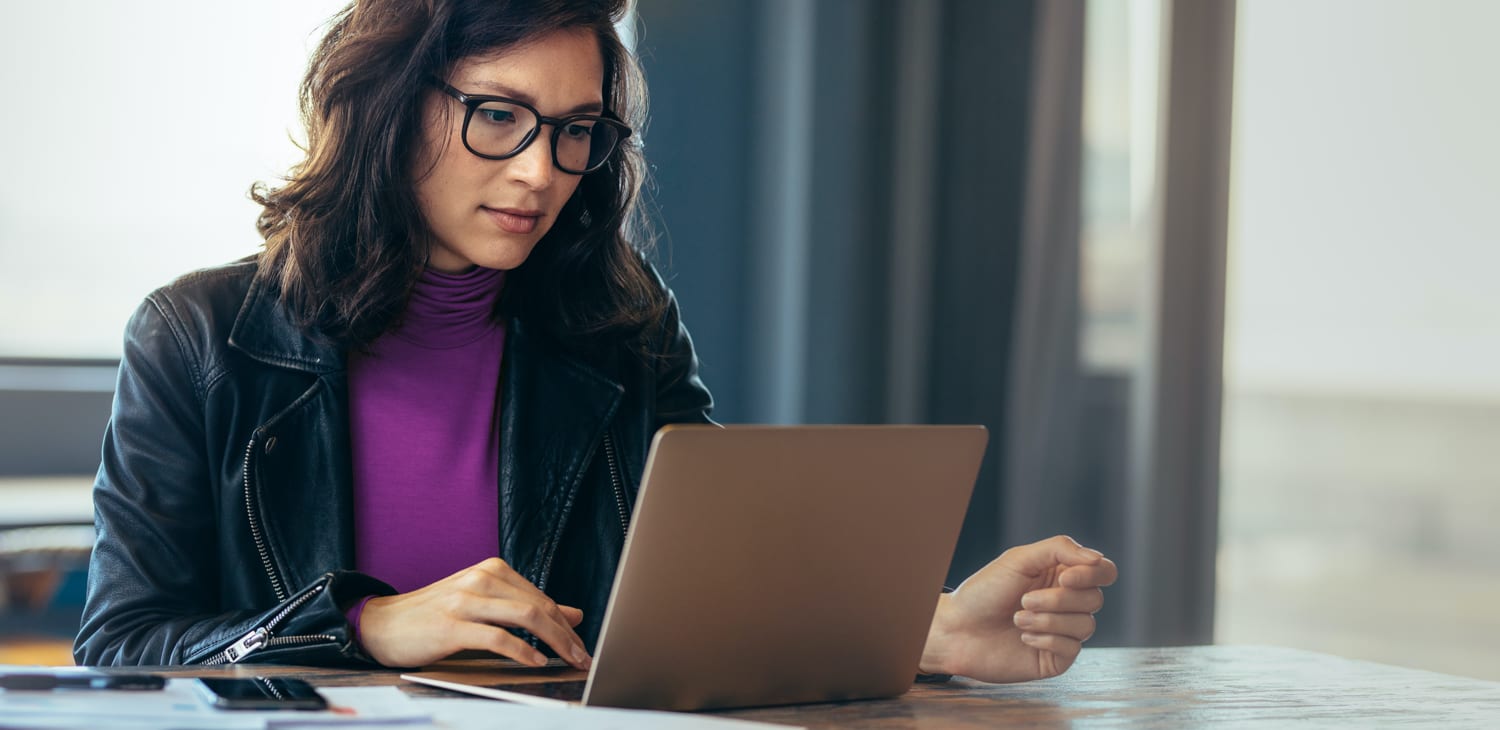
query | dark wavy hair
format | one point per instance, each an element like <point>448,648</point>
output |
<point>344,237</point>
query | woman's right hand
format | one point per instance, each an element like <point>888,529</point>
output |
<point>470,609</point>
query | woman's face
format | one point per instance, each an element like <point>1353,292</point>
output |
<point>491,213</point>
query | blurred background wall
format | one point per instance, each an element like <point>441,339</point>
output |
<point>1029,214</point>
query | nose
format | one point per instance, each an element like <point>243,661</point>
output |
<point>533,166</point>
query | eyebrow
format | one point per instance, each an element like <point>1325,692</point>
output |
<point>498,89</point>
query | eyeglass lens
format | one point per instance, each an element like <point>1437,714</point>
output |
<point>500,128</point>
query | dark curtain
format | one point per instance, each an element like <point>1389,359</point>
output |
<point>842,187</point>
<point>872,215</point>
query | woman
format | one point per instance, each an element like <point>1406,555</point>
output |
<point>448,323</point>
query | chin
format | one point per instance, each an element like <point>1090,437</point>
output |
<point>503,256</point>
<point>512,259</point>
<point>505,253</point>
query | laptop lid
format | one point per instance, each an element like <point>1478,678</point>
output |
<point>782,564</point>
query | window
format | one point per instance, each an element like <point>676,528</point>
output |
<point>1361,470</point>
<point>1122,74</point>
<point>131,136</point>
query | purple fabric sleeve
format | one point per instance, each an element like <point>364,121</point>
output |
<point>354,614</point>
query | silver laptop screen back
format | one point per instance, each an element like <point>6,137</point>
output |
<point>777,565</point>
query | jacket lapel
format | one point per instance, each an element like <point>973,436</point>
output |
<point>298,458</point>
<point>264,330</point>
<point>554,413</point>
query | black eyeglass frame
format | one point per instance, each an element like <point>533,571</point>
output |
<point>472,102</point>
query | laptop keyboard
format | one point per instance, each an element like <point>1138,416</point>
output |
<point>571,690</point>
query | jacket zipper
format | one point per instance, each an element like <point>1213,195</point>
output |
<point>261,638</point>
<point>540,580</point>
<point>614,479</point>
<point>618,484</point>
<point>251,509</point>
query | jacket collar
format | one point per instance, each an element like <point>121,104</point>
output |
<point>264,330</point>
<point>555,410</point>
<point>553,415</point>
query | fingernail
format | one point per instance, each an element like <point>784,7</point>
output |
<point>1028,638</point>
<point>538,659</point>
<point>1028,602</point>
<point>1023,619</point>
<point>581,657</point>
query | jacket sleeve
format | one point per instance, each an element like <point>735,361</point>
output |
<point>153,581</point>
<point>681,396</point>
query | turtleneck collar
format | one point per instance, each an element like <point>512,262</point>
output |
<point>451,310</point>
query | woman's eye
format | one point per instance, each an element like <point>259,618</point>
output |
<point>497,116</point>
<point>579,131</point>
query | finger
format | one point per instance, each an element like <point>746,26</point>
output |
<point>1078,626</point>
<point>567,615</point>
<point>1040,557</point>
<point>545,622</point>
<point>551,626</point>
<point>490,638</point>
<point>1069,552</point>
<point>1063,600</point>
<point>494,579</point>
<point>1102,573</point>
<point>521,604</point>
<point>1066,648</point>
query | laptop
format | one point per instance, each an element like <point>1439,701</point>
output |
<point>772,565</point>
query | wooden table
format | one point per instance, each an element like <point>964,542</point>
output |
<point>1134,688</point>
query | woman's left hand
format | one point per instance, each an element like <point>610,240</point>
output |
<point>1024,616</point>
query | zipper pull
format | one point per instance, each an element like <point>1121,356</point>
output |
<point>246,645</point>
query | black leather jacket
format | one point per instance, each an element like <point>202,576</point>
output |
<point>223,501</point>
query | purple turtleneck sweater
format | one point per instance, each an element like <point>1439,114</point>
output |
<point>425,431</point>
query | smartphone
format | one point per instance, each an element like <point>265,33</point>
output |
<point>260,693</point>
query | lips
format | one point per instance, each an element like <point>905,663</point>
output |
<point>520,221</point>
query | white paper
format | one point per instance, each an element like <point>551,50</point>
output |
<point>463,713</point>
<point>180,706</point>
<point>355,707</point>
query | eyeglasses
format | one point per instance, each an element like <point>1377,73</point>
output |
<point>497,128</point>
